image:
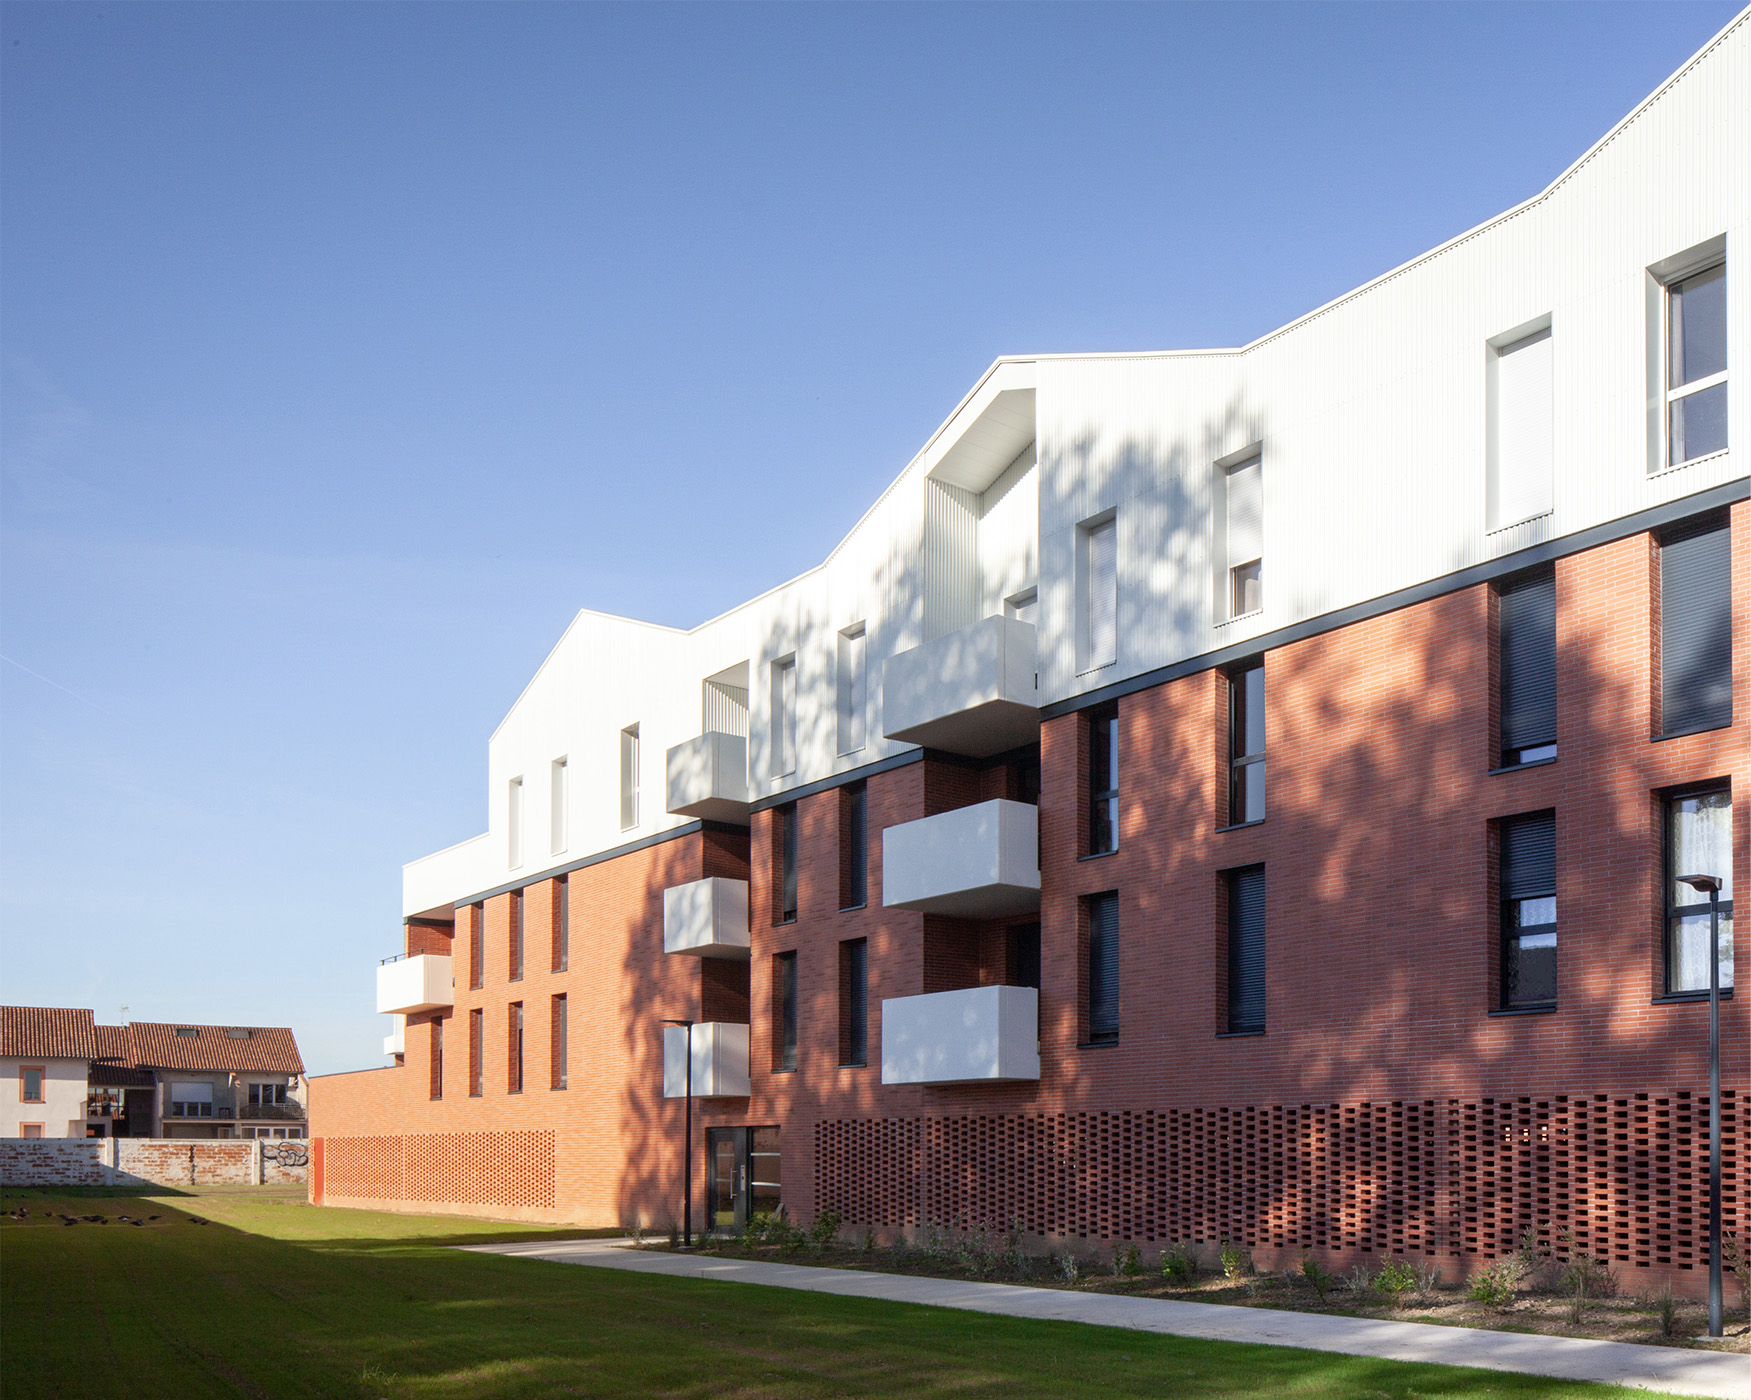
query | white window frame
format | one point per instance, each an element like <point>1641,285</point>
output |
<point>853,688</point>
<point>1496,349</point>
<point>1661,278</point>
<point>514,822</point>
<point>782,678</point>
<point>1695,386</point>
<point>557,805</point>
<point>630,758</point>
<point>1087,661</point>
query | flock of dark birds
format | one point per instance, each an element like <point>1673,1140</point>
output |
<point>21,1213</point>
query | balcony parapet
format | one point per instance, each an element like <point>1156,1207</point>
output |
<point>981,1033</point>
<point>413,984</point>
<point>976,862</point>
<point>720,1061</point>
<point>973,691</point>
<point>707,918</point>
<point>707,778</point>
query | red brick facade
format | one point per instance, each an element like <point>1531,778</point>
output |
<point>1384,1109</point>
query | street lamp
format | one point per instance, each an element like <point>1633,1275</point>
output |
<point>1711,886</point>
<point>687,1163</point>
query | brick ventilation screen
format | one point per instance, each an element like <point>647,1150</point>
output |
<point>485,1169</point>
<point>1628,1174</point>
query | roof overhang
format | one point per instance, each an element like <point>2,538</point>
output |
<point>990,430</point>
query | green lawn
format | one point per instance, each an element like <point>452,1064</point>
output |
<point>274,1298</point>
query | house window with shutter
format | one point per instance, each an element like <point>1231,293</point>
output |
<point>1526,666</point>
<point>854,1002</point>
<point>1528,896</point>
<point>1519,408</point>
<point>1245,536</point>
<point>1696,627</point>
<point>1101,970</point>
<point>1246,950</point>
<point>1098,620</point>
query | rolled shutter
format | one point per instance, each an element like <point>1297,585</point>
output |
<point>1528,653</point>
<point>1529,856</point>
<point>1696,631</point>
<point>859,1000</point>
<point>1103,967</point>
<point>1246,513</point>
<point>1103,594</point>
<point>1523,429</point>
<point>1246,950</point>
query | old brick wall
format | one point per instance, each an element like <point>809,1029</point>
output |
<point>138,1161</point>
<point>52,1162</point>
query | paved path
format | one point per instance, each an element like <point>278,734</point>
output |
<point>1569,1358</point>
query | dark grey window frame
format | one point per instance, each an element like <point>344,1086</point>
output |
<point>854,1048</point>
<point>784,995</point>
<point>1670,908</point>
<point>1241,762</point>
<point>1245,952</point>
<point>856,837</point>
<point>1526,667</point>
<point>787,863</point>
<point>1101,1011</point>
<point>1103,786</point>
<point>1516,889</point>
<point>1699,549</point>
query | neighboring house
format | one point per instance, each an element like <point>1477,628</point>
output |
<point>1221,795</point>
<point>223,1081</point>
<point>45,1058</point>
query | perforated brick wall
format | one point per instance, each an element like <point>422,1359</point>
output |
<point>514,1169</point>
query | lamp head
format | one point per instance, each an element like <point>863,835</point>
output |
<point>1702,884</point>
<point>674,1021</point>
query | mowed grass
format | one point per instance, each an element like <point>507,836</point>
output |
<point>275,1298</point>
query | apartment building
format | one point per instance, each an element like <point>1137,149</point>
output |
<point>1212,795</point>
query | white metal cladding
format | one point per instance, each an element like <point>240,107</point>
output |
<point>720,1061</point>
<point>1371,415</point>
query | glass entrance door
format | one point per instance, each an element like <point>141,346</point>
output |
<point>741,1175</point>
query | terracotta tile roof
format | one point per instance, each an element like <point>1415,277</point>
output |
<point>104,1076</point>
<point>47,1033</point>
<point>114,1043</point>
<point>258,1049</point>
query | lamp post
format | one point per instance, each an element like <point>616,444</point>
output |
<point>1711,885</point>
<point>687,1163</point>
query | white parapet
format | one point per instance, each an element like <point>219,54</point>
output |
<point>419,983</point>
<point>707,918</point>
<point>981,861</point>
<point>395,1043</point>
<point>720,1061</point>
<point>956,1037</point>
<point>707,777</point>
<point>973,691</point>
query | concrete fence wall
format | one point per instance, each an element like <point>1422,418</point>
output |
<point>150,1162</point>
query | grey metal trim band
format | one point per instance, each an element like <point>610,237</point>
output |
<point>838,780</point>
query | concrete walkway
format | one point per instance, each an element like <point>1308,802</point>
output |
<point>1568,1358</point>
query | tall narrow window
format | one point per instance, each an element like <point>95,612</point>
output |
<point>1246,537</point>
<point>1528,889</point>
<point>437,1073</point>
<point>1526,651</point>
<point>556,798</point>
<point>854,1002</point>
<point>1696,627</point>
<point>1100,594</point>
<point>476,944</point>
<point>629,777</point>
<point>1699,841</point>
<point>514,1049</point>
<point>853,689</point>
<point>30,1084</point>
<point>853,846</point>
<point>1246,743</point>
<point>1103,779</point>
<point>1023,956</point>
<point>783,716</point>
<point>562,924</point>
<point>476,1029</point>
<point>1519,430</point>
<point>514,943</point>
<point>558,1041</point>
<point>1696,365</point>
<point>1102,1005</point>
<point>514,822</point>
<point>786,881</point>
<point>1246,950</point>
<point>784,1012</point>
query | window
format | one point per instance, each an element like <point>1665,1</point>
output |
<point>629,777</point>
<point>30,1083</point>
<point>1526,665</point>
<point>514,943</point>
<point>30,1130</point>
<point>1246,743</point>
<point>190,1100</point>
<point>556,796</point>
<point>514,822</point>
<point>1696,365</point>
<point>1103,779</point>
<point>785,885</point>
<point>476,1029</point>
<point>853,846</point>
<point>1699,841</point>
<point>1528,894</point>
<point>437,1070</point>
<point>1696,627</point>
<point>853,689</point>
<point>562,924</point>
<point>783,716</point>
<point>1245,536</point>
<point>559,1040</point>
<point>476,944</point>
<point>854,1002</point>
<point>1246,950</point>
<point>1098,547</point>
<point>1519,409</point>
<point>1101,1001</point>
<point>266,1094</point>
<point>784,1012</point>
<point>514,1049</point>
<point>1023,956</point>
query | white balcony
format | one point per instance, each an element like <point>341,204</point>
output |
<point>395,1043</point>
<point>976,862</point>
<point>707,918</point>
<point>708,778</point>
<point>957,1037</point>
<point>419,983</point>
<point>972,691</point>
<point>720,1061</point>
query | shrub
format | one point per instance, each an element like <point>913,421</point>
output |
<point>1069,1267</point>
<point>1178,1263</point>
<point>1319,1278</point>
<point>1665,1309</point>
<point>1495,1285</point>
<point>1359,1280</point>
<point>1584,1279</point>
<point>824,1229</point>
<point>1737,1259</point>
<point>1395,1280</point>
<point>869,1241</point>
<point>1428,1280</point>
<point>1236,1260</point>
<point>1127,1261</point>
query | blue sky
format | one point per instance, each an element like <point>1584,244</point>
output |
<point>346,351</point>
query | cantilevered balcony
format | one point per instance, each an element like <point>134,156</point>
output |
<point>720,1061</point>
<point>418,983</point>
<point>707,918</point>
<point>708,778</point>
<point>981,1033</point>
<point>975,862</point>
<point>395,1043</point>
<point>971,691</point>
